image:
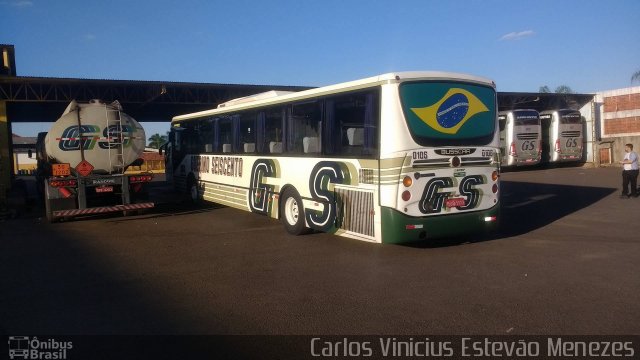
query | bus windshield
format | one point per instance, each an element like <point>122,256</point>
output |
<point>573,117</point>
<point>526,118</point>
<point>449,114</point>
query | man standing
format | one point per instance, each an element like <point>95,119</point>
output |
<point>629,172</point>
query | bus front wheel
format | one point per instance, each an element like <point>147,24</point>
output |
<point>292,213</point>
<point>193,191</point>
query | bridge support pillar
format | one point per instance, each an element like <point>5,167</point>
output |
<point>6,159</point>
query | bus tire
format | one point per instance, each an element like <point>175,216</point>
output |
<point>292,213</point>
<point>192,191</point>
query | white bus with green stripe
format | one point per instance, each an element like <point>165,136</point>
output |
<point>520,137</point>
<point>394,158</point>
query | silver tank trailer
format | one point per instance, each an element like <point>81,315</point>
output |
<point>95,127</point>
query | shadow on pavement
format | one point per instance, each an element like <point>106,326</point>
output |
<point>530,206</point>
<point>56,284</point>
<point>171,210</point>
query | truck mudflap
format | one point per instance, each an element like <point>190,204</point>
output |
<point>102,210</point>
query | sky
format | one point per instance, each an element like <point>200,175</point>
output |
<point>587,45</point>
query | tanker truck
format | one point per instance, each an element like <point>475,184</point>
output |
<point>82,161</point>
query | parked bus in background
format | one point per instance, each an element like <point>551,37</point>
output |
<point>393,158</point>
<point>561,135</point>
<point>520,139</point>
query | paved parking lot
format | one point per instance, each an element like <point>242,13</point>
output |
<point>565,262</point>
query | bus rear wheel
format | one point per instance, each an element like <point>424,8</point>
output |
<point>292,213</point>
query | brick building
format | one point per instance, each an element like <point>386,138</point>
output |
<point>618,115</point>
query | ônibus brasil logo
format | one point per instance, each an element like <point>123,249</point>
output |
<point>32,348</point>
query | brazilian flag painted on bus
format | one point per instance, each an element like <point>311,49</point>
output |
<point>441,110</point>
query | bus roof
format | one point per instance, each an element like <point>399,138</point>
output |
<point>273,98</point>
<point>547,112</point>
<point>514,110</point>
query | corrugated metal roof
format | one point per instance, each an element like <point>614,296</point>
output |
<point>142,82</point>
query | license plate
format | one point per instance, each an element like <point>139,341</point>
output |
<point>103,181</point>
<point>61,169</point>
<point>104,189</point>
<point>454,202</point>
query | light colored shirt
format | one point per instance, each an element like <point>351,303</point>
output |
<point>633,157</point>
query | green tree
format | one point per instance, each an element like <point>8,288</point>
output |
<point>156,140</point>
<point>635,76</point>
<point>563,89</point>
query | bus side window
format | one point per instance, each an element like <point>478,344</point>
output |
<point>225,135</point>
<point>247,132</point>
<point>352,125</point>
<point>206,136</point>
<point>187,138</point>
<point>269,131</point>
<point>304,127</point>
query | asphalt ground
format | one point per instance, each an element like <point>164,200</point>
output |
<point>566,261</point>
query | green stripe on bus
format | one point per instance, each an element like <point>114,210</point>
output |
<point>394,225</point>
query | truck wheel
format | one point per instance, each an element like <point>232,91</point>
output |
<point>292,213</point>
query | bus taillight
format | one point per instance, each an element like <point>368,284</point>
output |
<point>407,181</point>
<point>140,178</point>
<point>512,149</point>
<point>557,147</point>
<point>63,183</point>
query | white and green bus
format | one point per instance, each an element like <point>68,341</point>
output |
<point>562,135</point>
<point>393,158</point>
<point>520,139</point>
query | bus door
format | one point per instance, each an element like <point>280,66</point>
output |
<point>177,149</point>
<point>502,122</point>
